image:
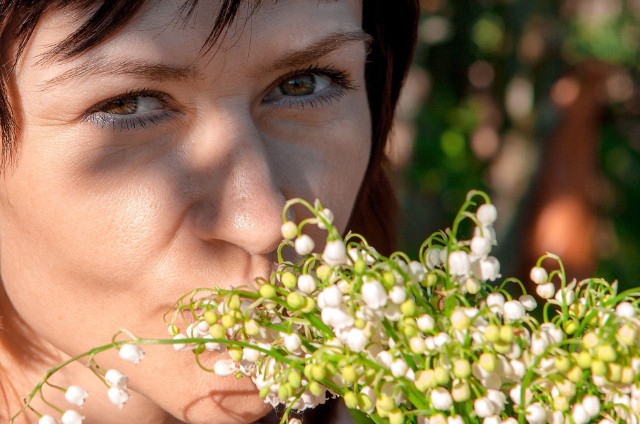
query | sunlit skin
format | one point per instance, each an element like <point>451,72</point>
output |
<point>119,203</point>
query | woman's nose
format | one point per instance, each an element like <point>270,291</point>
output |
<point>238,199</point>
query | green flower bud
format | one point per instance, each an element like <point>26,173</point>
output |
<point>460,320</point>
<point>606,353</point>
<point>396,416</point>
<point>590,340</point>
<point>252,328</point>
<point>461,368</point>
<point>264,392</point>
<point>234,302</point>
<point>560,403</point>
<point>441,376</point>
<point>217,331</point>
<point>323,272</point>
<point>359,267</point>
<point>284,391</point>
<point>506,333</point>
<point>267,291</point>
<point>349,374</point>
<point>575,375</point>
<point>289,280</point>
<point>235,353</point>
<point>210,317</point>
<point>318,372</point>
<point>472,285</point>
<point>309,305</point>
<point>289,230</point>
<point>350,400</point>
<point>615,372</point>
<point>294,378</point>
<point>492,333</point>
<point>199,349</point>
<point>360,323</point>
<point>425,380</point>
<point>563,364</point>
<point>502,347</point>
<point>365,403</point>
<point>228,320</point>
<point>388,279</point>
<point>570,326</point>
<point>430,280</point>
<point>409,330</point>
<point>315,388</point>
<point>598,368</point>
<point>295,300</point>
<point>174,330</point>
<point>628,376</point>
<point>627,335</point>
<point>308,369</point>
<point>385,403</point>
<point>488,362</point>
<point>584,360</point>
<point>237,314</point>
<point>408,308</point>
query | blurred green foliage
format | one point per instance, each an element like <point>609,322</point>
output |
<point>491,67</point>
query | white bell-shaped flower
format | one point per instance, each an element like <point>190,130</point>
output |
<point>535,414</point>
<point>514,310</point>
<point>47,419</point>
<point>528,301</point>
<point>546,290</point>
<point>591,405</point>
<point>397,295</point>
<point>480,246</point>
<point>374,294</point>
<point>399,367</point>
<point>455,419</point>
<point>625,310</point>
<point>224,367</point>
<point>331,297</point>
<point>495,302</point>
<point>76,395</point>
<point>484,407</point>
<point>441,399</point>
<point>539,275</point>
<point>357,340</point>
<point>487,214</point>
<point>327,214</point>
<point>426,323</point>
<point>306,283</point>
<point>433,257</point>
<point>179,346</point>
<point>118,396</point>
<point>459,263</point>
<point>115,378</point>
<point>71,417</point>
<point>292,342</point>
<point>487,269</point>
<point>304,245</point>
<point>579,415</point>
<point>335,253</point>
<point>131,353</point>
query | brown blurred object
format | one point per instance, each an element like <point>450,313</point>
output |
<point>562,217</point>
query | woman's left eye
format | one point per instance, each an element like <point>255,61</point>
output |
<point>311,87</point>
<point>302,85</point>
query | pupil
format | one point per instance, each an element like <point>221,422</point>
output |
<point>126,106</point>
<point>299,86</point>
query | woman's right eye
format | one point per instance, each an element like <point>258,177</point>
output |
<point>128,111</point>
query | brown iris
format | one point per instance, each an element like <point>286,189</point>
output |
<point>122,106</point>
<point>302,85</point>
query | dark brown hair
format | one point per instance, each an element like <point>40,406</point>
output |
<point>392,24</point>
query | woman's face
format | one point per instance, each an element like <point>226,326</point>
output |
<point>146,169</point>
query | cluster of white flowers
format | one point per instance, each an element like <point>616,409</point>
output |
<point>428,341</point>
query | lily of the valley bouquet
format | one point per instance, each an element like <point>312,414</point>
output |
<point>437,340</point>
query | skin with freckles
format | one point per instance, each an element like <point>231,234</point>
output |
<point>147,168</point>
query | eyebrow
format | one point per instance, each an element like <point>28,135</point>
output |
<point>155,71</point>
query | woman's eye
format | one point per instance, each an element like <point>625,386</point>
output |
<point>302,85</point>
<point>131,105</point>
<point>131,110</point>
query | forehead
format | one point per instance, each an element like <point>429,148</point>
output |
<point>174,31</point>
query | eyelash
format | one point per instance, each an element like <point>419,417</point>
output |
<point>341,83</point>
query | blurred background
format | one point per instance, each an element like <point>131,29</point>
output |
<point>536,102</point>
